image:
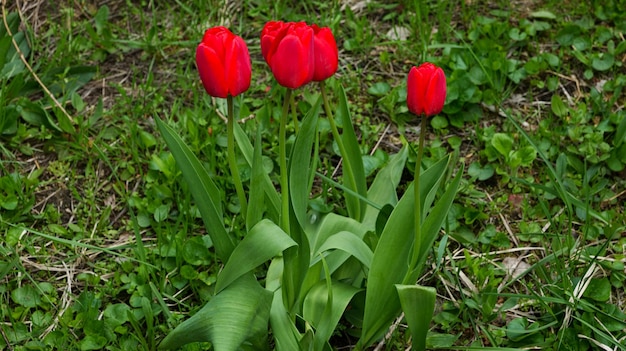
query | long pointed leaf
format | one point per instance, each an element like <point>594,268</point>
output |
<point>391,256</point>
<point>263,242</point>
<point>320,314</point>
<point>434,221</point>
<point>257,194</point>
<point>286,335</point>
<point>248,153</point>
<point>203,190</point>
<point>300,170</point>
<point>383,188</point>
<point>418,304</point>
<point>351,244</point>
<point>227,320</point>
<point>354,173</point>
<point>389,266</point>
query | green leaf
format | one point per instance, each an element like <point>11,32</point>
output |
<point>264,241</point>
<point>203,190</point>
<point>13,64</point>
<point>620,132</point>
<point>286,334</point>
<point>354,173</point>
<point>429,183</point>
<point>34,114</point>
<point>26,296</point>
<point>389,266</point>
<point>481,173</point>
<point>300,164</point>
<point>418,304</point>
<point>273,199</point>
<point>391,256</point>
<point>195,252</point>
<point>227,320</point>
<point>503,143</point>
<point>325,316</point>
<point>379,89</point>
<point>93,342</point>
<point>558,107</point>
<point>434,221</point>
<point>545,14</point>
<point>116,314</point>
<point>603,62</point>
<point>527,155</point>
<point>333,224</point>
<point>256,194</point>
<point>383,188</point>
<point>350,243</point>
<point>439,122</point>
<point>598,289</point>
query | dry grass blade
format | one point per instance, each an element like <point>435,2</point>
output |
<point>30,69</point>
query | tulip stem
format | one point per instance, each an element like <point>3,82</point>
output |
<point>282,155</point>
<point>418,201</point>
<point>294,115</point>
<point>232,160</point>
<point>342,149</point>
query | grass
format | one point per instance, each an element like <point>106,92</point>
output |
<point>104,248</point>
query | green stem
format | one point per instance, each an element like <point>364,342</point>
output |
<point>418,203</point>
<point>282,155</point>
<point>232,160</point>
<point>294,115</point>
<point>342,149</point>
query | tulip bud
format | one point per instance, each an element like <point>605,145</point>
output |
<point>288,50</point>
<point>426,90</point>
<point>223,63</point>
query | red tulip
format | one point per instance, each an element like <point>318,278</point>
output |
<point>326,54</point>
<point>223,63</point>
<point>288,50</point>
<point>426,90</point>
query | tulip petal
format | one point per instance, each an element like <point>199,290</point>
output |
<point>291,64</point>
<point>237,66</point>
<point>436,92</point>
<point>326,54</point>
<point>211,70</point>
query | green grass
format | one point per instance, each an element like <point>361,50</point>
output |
<point>104,248</point>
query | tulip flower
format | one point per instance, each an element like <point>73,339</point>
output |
<point>426,90</point>
<point>223,63</point>
<point>288,50</point>
<point>326,53</point>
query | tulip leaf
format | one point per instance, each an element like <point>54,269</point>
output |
<point>383,188</point>
<point>429,183</point>
<point>286,334</point>
<point>203,190</point>
<point>273,199</point>
<point>229,319</point>
<point>331,224</point>
<point>325,316</point>
<point>264,241</point>
<point>389,266</point>
<point>350,243</point>
<point>433,222</point>
<point>391,256</point>
<point>418,304</point>
<point>354,172</point>
<point>256,193</point>
<point>300,164</point>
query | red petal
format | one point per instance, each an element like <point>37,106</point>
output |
<point>326,53</point>
<point>211,70</point>
<point>238,68</point>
